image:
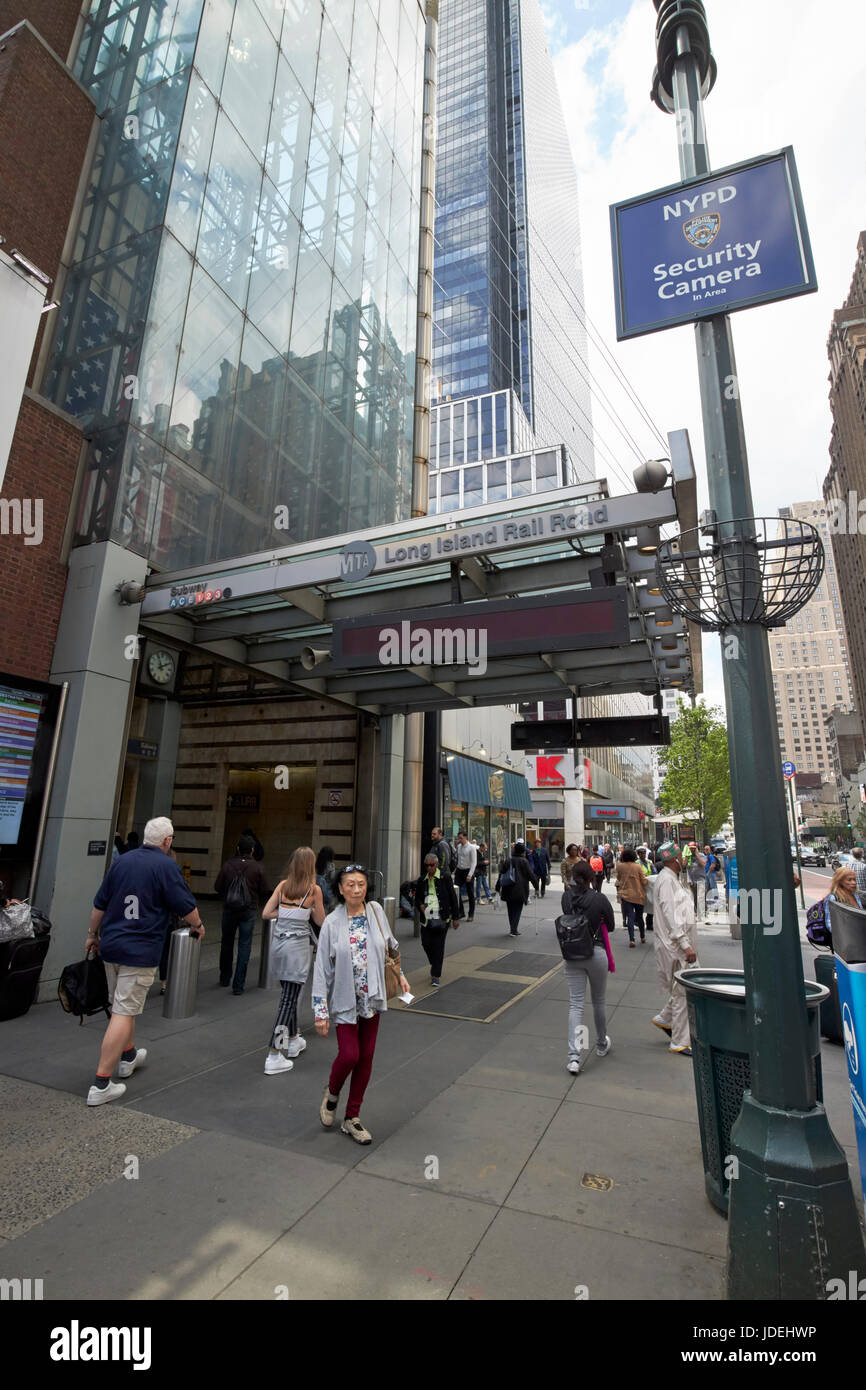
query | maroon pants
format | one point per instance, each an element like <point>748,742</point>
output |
<point>357,1043</point>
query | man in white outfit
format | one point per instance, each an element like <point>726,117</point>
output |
<point>675,937</point>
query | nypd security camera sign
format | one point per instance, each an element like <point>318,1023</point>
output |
<point>725,241</point>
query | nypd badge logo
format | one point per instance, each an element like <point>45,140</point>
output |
<point>702,231</point>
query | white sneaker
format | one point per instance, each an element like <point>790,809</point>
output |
<point>602,1048</point>
<point>127,1068</point>
<point>574,1068</point>
<point>113,1091</point>
<point>275,1064</point>
<point>296,1047</point>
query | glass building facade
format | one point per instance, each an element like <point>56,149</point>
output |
<point>238,326</point>
<point>507,303</point>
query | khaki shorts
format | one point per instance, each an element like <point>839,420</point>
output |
<point>128,986</point>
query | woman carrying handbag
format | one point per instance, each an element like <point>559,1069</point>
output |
<point>357,970</point>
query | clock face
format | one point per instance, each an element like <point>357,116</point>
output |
<point>160,667</point>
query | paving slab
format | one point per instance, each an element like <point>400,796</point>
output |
<point>370,1239</point>
<point>656,1168</point>
<point>549,1019</point>
<point>525,1063</point>
<point>481,1139</point>
<point>528,1258</point>
<point>57,1150</point>
<point>196,1218</point>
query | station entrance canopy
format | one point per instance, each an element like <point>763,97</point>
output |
<point>486,606</point>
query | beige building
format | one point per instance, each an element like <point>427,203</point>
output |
<point>809,658</point>
<point>845,484</point>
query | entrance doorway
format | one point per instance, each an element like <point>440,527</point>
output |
<point>277,804</point>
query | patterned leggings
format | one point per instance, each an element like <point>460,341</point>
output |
<point>286,1023</point>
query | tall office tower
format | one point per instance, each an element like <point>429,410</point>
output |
<point>809,659</point>
<point>845,484</point>
<point>238,326</point>
<point>508,337</point>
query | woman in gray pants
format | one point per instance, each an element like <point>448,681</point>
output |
<point>596,968</point>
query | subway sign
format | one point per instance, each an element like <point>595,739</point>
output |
<point>725,241</point>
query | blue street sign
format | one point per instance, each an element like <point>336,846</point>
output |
<point>711,245</point>
<point>789,770</point>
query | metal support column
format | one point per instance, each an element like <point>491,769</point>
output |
<point>793,1222</point>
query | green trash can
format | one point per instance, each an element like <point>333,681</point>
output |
<point>722,1067</point>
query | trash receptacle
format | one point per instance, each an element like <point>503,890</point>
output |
<point>182,981</point>
<point>267,978</point>
<point>722,1066</point>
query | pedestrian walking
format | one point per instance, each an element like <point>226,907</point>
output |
<point>630,880</point>
<point>326,872</point>
<point>676,945</point>
<point>843,889</point>
<point>349,987</point>
<point>569,863</point>
<point>258,851</point>
<point>646,865</point>
<point>297,905</point>
<point>696,876</point>
<point>859,867</point>
<point>436,906</point>
<point>596,863</point>
<point>467,859</point>
<point>132,841</point>
<point>130,918</point>
<point>711,884</point>
<point>243,888</point>
<point>482,870</point>
<point>443,849</point>
<point>608,861</point>
<point>581,898</point>
<point>541,864</point>
<point>512,885</point>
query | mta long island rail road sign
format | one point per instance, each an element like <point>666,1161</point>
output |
<point>726,241</point>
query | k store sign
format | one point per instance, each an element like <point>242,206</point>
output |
<point>551,770</point>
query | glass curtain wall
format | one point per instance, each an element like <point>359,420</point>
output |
<point>238,326</point>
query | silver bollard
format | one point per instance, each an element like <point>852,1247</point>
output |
<point>183,962</point>
<point>267,979</point>
<point>390,906</point>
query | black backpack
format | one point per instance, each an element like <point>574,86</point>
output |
<point>450,856</point>
<point>83,989</point>
<point>238,896</point>
<point>575,935</point>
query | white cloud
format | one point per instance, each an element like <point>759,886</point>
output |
<point>777,85</point>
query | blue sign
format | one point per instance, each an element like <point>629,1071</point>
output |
<point>852,1002</point>
<point>788,770</point>
<point>725,241</point>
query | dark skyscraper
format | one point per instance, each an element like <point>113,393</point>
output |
<point>507,235</point>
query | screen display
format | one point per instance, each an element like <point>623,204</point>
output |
<point>20,713</point>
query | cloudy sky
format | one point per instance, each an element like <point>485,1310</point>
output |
<point>791,72</point>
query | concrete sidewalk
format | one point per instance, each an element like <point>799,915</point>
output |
<point>493,1174</point>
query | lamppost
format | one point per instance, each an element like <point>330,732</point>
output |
<point>849,838</point>
<point>793,1221</point>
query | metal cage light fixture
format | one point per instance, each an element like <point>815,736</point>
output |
<point>738,572</point>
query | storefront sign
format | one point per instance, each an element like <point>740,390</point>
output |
<point>726,241</point>
<point>358,558</point>
<point>605,812</point>
<point>471,633</point>
<point>551,770</point>
<point>142,748</point>
<point>96,847</point>
<point>242,801</point>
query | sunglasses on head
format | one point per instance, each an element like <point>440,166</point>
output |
<point>353,869</point>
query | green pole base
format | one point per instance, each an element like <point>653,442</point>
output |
<point>793,1223</point>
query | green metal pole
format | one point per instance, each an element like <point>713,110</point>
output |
<point>793,1221</point>
<point>790,782</point>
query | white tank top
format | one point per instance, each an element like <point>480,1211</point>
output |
<point>297,917</point>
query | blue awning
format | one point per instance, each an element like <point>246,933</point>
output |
<point>483,785</point>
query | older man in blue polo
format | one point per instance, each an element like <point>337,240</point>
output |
<point>142,890</point>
